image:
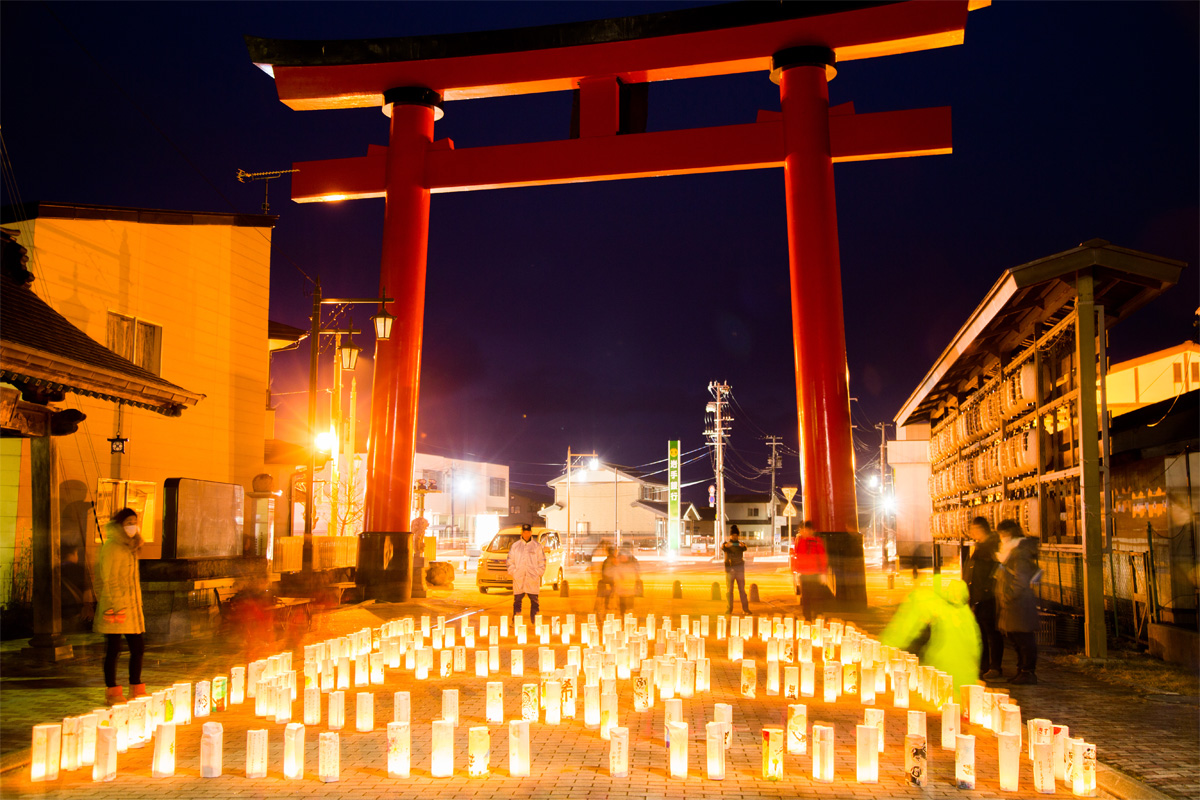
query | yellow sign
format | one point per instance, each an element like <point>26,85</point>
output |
<point>788,492</point>
<point>789,511</point>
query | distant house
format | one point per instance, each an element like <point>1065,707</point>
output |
<point>752,514</point>
<point>524,505</point>
<point>609,504</point>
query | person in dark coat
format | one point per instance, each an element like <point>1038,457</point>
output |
<point>1016,599</point>
<point>981,580</point>
<point>735,570</point>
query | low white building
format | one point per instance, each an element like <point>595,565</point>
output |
<point>610,503</point>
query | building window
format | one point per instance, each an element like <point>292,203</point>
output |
<point>654,494</point>
<point>135,340</point>
<point>514,510</point>
<point>497,487</point>
<point>432,477</point>
<point>752,511</point>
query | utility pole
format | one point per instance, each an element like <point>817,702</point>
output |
<point>774,442</point>
<point>717,434</point>
<point>883,426</point>
<point>571,555</point>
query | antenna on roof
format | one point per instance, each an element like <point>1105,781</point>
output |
<point>266,178</point>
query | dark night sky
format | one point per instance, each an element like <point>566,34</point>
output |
<point>595,315</point>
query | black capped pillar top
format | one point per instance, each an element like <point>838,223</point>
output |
<point>413,96</point>
<point>804,56</point>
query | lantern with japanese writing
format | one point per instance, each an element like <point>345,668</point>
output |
<point>1043,767</point>
<point>256,753</point>
<point>399,753</point>
<point>401,707</point>
<point>618,752</point>
<point>293,751</point>
<point>329,757</point>
<point>337,710</point>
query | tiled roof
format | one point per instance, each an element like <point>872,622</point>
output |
<point>40,347</point>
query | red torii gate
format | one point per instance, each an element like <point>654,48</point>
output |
<point>798,42</point>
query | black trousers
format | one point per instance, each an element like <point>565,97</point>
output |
<point>533,604</point>
<point>112,649</point>
<point>736,576</point>
<point>810,588</point>
<point>993,640</point>
<point>1025,643</point>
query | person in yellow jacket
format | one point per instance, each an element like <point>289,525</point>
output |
<point>119,603</point>
<point>954,642</point>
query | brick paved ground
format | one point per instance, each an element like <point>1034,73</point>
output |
<point>568,760</point>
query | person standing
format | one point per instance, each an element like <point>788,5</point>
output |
<point>940,616</point>
<point>626,574</point>
<point>1017,602</point>
<point>735,570</point>
<point>981,580</point>
<point>527,565</point>
<point>119,604</point>
<point>810,562</point>
<point>604,584</point>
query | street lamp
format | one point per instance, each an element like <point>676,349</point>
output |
<point>347,359</point>
<point>571,457</point>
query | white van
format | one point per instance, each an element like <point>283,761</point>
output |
<point>493,560</point>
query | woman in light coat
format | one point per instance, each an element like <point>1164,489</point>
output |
<point>119,603</point>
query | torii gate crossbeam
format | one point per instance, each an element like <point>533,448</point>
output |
<point>798,42</point>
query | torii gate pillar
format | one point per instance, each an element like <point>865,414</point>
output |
<point>818,326</point>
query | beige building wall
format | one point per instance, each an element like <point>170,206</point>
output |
<point>594,510</point>
<point>206,282</point>
<point>909,459</point>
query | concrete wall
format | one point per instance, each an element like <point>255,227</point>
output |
<point>207,287</point>
<point>908,457</point>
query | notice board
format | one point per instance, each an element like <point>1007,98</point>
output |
<point>202,519</point>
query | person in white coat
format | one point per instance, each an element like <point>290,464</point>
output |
<point>526,565</point>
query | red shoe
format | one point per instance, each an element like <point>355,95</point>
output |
<point>138,690</point>
<point>113,696</point>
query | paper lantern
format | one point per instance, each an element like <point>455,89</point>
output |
<point>822,761</point>
<point>163,763</point>
<point>443,749</point>
<point>120,722</point>
<point>256,753</point>
<point>916,760</point>
<point>329,757</point>
<point>673,712</point>
<point>714,737</point>
<point>899,688</point>
<point>591,707</point>
<point>964,761</point>
<point>376,661</point>
<point>568,694</point>
<point>450,706</point>
<point>641,694</point>
<point>104,763</point>
<point>618,752</point>
<point>364,712</point>
<point>202,700</point>
<point>950,726</point>
<point>772,752</point>
<point>1008,749</point>
<point>518,747</point>
<point>875,716</point>
<point>868,753</point>
<point>945,689</point>
<point>850,679</point>
<point>916,722</point>
<point>1043,767</point>
<point>1083,777</point>
<point>479,751</point>
<point>219,697</point>
<point>139,722</point>
<point>87,739</point>
<point>721,626</point>
<point>183,704</point>
<point>831,686</point>
<point>553,700</point>
<point>337,710</point>
<point>522,634</point>
<point>772,678</point>
<point>806,648</point>
<point>678,733</point>
<point>283,704</point>
<point>734,648</point>
<point>459,659</point>
<point>211,745</point>
<point>399,752</point>
<point>974,708</point>
<point>518,663</point>
<point>312,706</point>
<point>293,751</point>
<point>685,672</point>
<point>530,703</point>
<point>1060,736</point>
<point>254,674</point>
<point>1068,776</point>
<point>1041,731</point>
<point>749,678</point>
<point>608,713</point>
<point>344,669</point>
<point>445,663</point>
<point>880,678</point>
<point>46,753</point>
<point>665,675</point>
<point>866,686</point>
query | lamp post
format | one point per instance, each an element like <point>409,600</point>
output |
<point>347,359</point>
<point>570,531</point>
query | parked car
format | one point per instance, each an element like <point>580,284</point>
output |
<point>492,572</point>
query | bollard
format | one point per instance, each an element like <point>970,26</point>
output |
<point>754,593</point>
<point>891,580</point>
<point>716,591</point>
<point>677,590</point>
<point>564,588</point>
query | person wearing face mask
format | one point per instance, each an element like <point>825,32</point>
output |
<point>119,603</point>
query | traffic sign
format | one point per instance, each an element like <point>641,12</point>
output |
<point>789,511</point>
<point>788,492</point>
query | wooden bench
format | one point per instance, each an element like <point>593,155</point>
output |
<point>291,611</point>
<point>338,590</point>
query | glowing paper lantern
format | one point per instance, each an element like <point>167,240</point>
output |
<point>443,749</point>
<point>568,694</point>
<point>735,648</point>
<point>283,703</point>
<point>203,694</point>
<point>399,754</point>
<point>714,737</point>
<point>211,744</point>
<point>950,726</point>
<point>832,681</point>
<point>807,672</point>
<point>964,761</point>
<point>312,706</point>
<point>553,701</point>
<point>945,689</point>
<point>293,751</point>
<point>916,760</point>
<point>364,711</point>
<point>1043,767</point>
<point>899,688</point>
<point>445,663</point>
<point>139,723</point>
<point>460,659</point>
<point>256,753</point>
<point>916,722</point>
<point>797,729</point>
<point>220,693</point>
<point>1083,777</point>
<point>337,710</point>
<point>104,763</point>
<point>591,707</point>
<point>1008,749</point>
<point>1069,764</point>
<point>641,694</point>
<point>875,716</point>
<point>866,686</point>
<point>120,721</point>
<point>46,754</point>
<point>401,707</point>
<point>720,628</point>
<point>850,679</point>
<point>806,648</point>
<point>678,733</point>
<point>163,763</point>
<point>974,707</point>
<point>1061,735</point>
<point>618,752</point>
<point>822,764</point>
<point>518,662</point>
<point>749,678</point>
<point>673,712</point>
<point>608,714</point>
<point>518,747</point>
<point>479,751</point>
<point>329,757</point>
<point>529,702</point>
<point>868,753</point>
<point>686,683</point>
<point>772,677</point>
<point>183,704</point>
<point>376,661</point>
<point>1041,731</point>
<point>87,739</point>
<point>772,752</point>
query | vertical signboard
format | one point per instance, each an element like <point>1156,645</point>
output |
<point>673,523</point>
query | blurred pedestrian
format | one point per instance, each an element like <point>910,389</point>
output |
<point>119,604</point>
<point>603,561</point>
<point>626,575</point>
<point>527,566</point>
<point>953,646</point>
<point>735,570</point>
<point>1017,602</point>
<point>810,563</point>
<point>981,580</point>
